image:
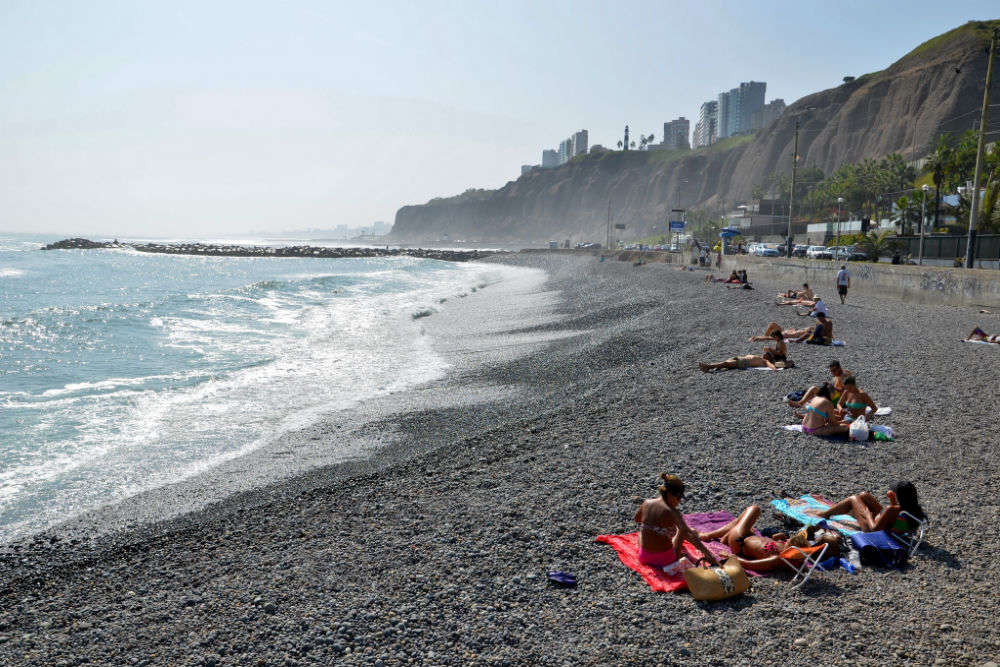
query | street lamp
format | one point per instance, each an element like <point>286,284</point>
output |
<point>840,203</point>
<point>923,221</point>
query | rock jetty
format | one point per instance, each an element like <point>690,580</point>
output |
<point>267,251</point>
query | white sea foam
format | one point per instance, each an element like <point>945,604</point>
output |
<point>6,272</point>
<point>294,349</point>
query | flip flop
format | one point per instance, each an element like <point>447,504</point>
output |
<point>562,579</point>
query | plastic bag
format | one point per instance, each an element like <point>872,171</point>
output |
<point>859,429</point>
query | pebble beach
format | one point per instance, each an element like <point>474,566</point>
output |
<point>434,549</point>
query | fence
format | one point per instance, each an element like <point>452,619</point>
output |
<point>950,247</point>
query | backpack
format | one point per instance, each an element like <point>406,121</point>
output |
<point>880,549</point>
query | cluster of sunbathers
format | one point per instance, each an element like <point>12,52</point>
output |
<point>830,407</point>
<point>662,529</point>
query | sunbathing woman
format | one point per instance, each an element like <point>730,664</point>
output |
<point>839,375</point>
<point>804,293</point>
<point>872,516</point>
<point>746,361</point>
<point>662,529</point>
<point>854,402</point>
<point>789,334</point>
<point>980,335</point>
<point>820,417</point>
<point>764,553</point>
<point>733,278</point>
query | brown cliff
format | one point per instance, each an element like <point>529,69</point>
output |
<point>935,88</point>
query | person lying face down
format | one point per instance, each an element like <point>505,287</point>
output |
<point>764,553</point>
<point>746,361</point>
<point>662,529</point>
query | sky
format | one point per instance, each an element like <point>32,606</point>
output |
<point>207,119</point>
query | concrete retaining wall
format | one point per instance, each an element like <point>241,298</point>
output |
<point>920,284</point>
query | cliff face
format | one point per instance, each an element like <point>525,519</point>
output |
<point>936,88</point>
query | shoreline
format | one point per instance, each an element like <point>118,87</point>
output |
<point>439,556</point>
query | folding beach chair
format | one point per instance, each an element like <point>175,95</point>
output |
<point>808,558</point>
<point>915,537</point>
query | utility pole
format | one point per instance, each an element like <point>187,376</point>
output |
<point>791,193</point>
<point>607,235</point>
<point>970,245</point>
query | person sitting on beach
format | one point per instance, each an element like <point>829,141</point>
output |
<point>820,416</point>
<point>733,278</point>
<point>804,293</point>
<point>980,335</point>
<point>743,276</point>
<point>817,307</point>
<point>662,529</point>
<point>853,402</point>
<point>779,352</point>
<point>839,375</point>
<point>764,553</point>
<point>821,334</point>
<point>872,516</point>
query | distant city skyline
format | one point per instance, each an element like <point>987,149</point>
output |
<point>188,118</point>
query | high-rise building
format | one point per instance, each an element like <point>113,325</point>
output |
<point>706,130</point>
<point>580,142</point>
<point>565,150</point>
<point>767,114</point>
<point>724,112</point>
<point>751,100</point>
<point>737,107</point>
<point>676,132</point>
<point>550,158</point>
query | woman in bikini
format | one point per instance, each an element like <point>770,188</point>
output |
<point>804,293</point>
<point>779,352</point>
<point>662,529</point>
<point>854,402</point>
<point>820,417</point>
<point>872,516</point>
<point>764,553</point>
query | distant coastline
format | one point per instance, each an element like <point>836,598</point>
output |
<point>228,250</point>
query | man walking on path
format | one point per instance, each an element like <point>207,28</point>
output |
<point>843,282</point>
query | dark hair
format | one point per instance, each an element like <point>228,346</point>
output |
<point>824,391</point>
<point>777,335</point>
<point>805,284</point>
<point>834,364</point>
<point>907,495</point>
<point>843,266</point>
<point>850,380</point>
<point>821,315</point>
<point>671,484</point>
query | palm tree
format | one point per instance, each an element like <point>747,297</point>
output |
<point>619,144</point>
<point>879,244</point>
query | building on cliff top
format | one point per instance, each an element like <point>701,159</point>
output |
<point>676,133</point>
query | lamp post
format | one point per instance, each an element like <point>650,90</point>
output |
<point>923,221</point>
<point>840,203</point>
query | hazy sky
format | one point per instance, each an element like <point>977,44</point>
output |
<point>137,118</point>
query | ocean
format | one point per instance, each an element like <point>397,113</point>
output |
<point>123,371</point>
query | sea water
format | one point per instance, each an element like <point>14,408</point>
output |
<point>123,371</point>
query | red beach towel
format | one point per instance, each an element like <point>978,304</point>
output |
<point>627,548</point>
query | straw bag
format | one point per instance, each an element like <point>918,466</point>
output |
<point>717,583</point>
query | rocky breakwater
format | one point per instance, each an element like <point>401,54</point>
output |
<point>81,244</point>
<point>215,250</point>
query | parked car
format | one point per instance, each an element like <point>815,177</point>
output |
<point>799,250</point>
<point>769,252</point>
<point>856,254</point>
<point>819,252</point>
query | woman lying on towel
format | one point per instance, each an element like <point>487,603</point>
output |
<point>872,516</point>
<point>820,416</point>
<point>662,529</point>
<point>980,335</point>
<point>854,402</point>
<point>746,361</point>
<point>764,553</point>
<point>733,278</point>
<point>804,293</point>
